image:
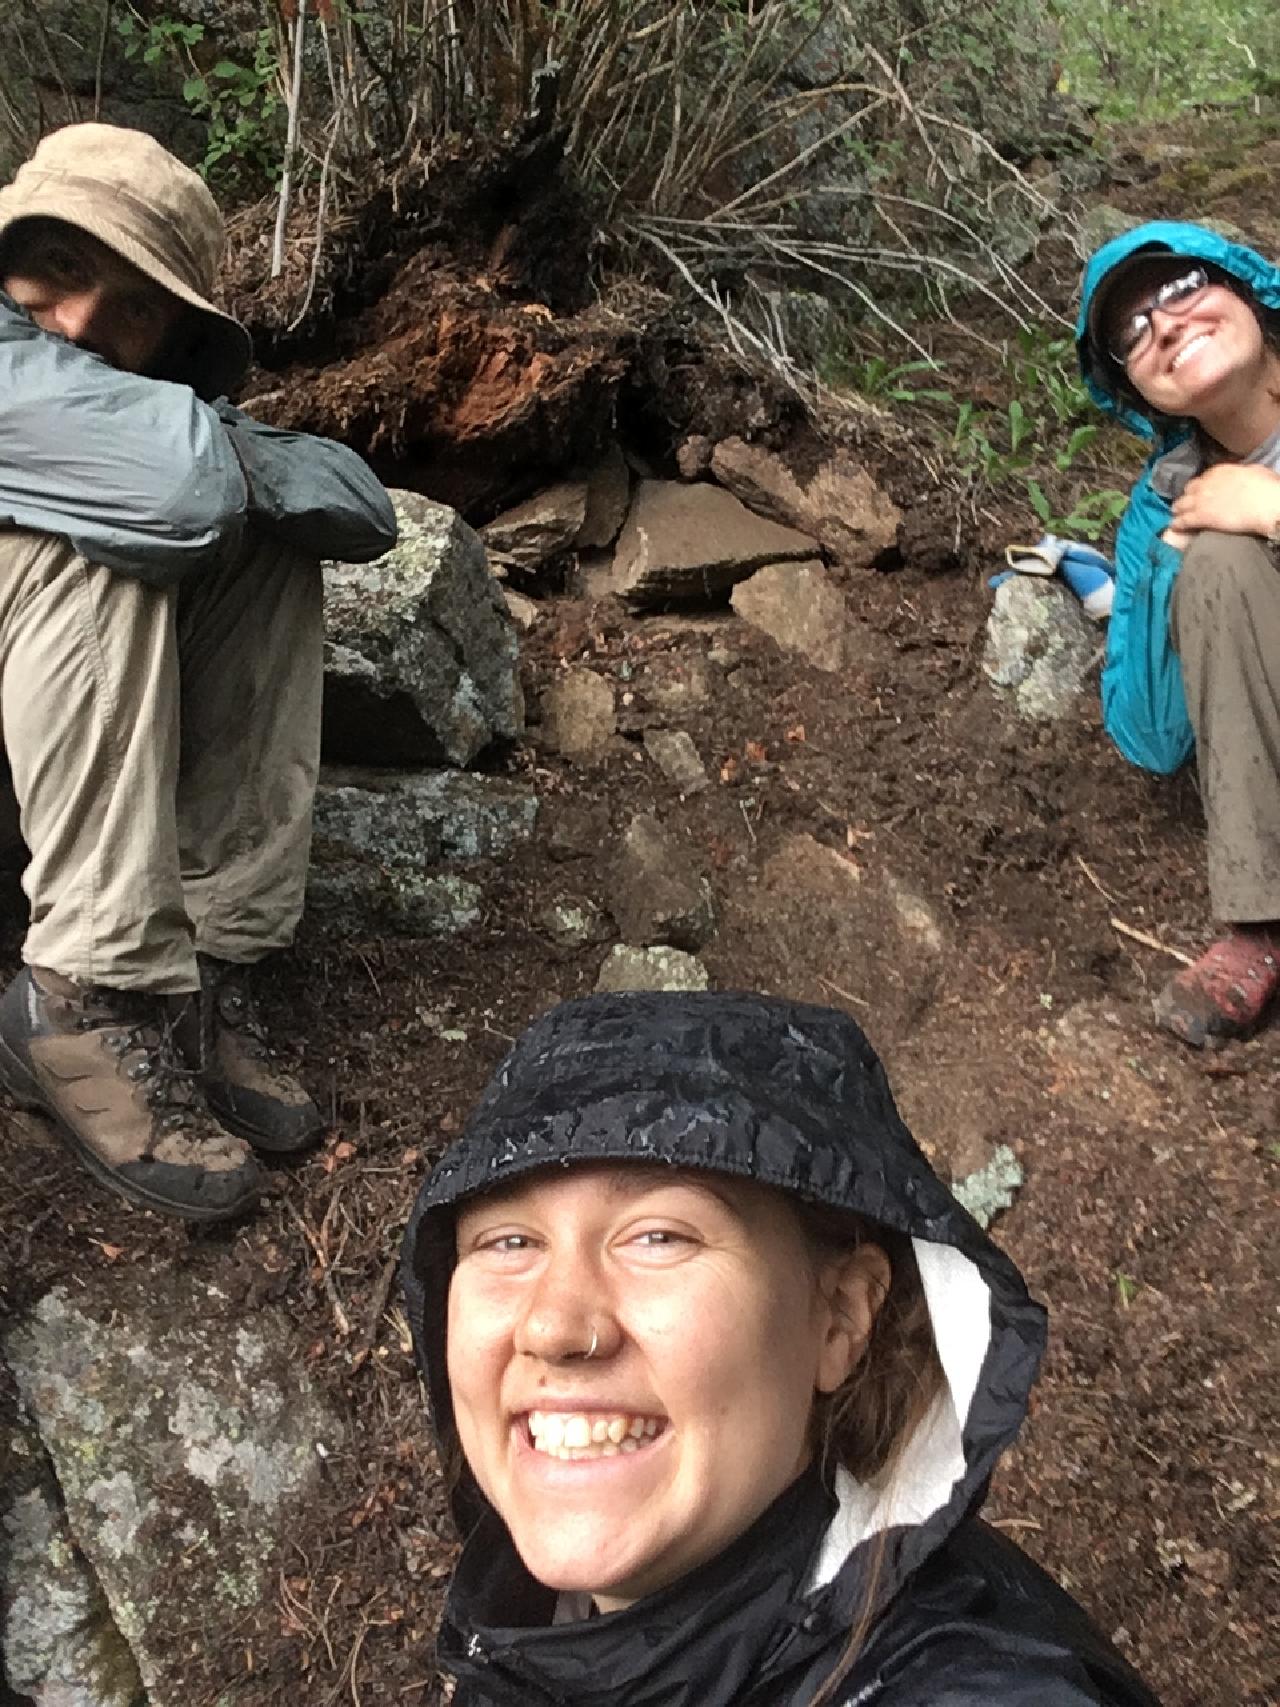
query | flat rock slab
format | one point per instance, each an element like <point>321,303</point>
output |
<point>839,504</point>
<point>651,969</point>
<point>691,544</point>
<point>420,648</point>
<point>608,499</point>
<point>1040,647</point>
<point>796,605</point>
<point>537,532</point>
<point>182,1435</point>
<point>381,837</point>
<point>419,820</point>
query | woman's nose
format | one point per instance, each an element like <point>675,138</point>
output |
<point>567,1315</point>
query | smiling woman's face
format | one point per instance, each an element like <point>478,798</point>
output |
<point>620,1472</point>
<point>1194,353</point>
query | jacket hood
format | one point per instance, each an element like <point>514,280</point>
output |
<point>1254,272</point>
<point>791,1096</point>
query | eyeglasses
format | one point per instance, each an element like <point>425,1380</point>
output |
<point>1174,296</point>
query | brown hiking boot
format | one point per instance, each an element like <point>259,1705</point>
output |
<point>102,1066</point>
<point>223,1038</point>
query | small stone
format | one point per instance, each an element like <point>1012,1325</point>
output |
<point>693,457</point>
<point>657,895</point>
<point>524,610</point>
<point>578,716</point>
<point>573,924</point>
<point>992,1188</point>
<point>675,755</point>
<point>539,531</point>
<point>796,605</point>
<point>628,968</point>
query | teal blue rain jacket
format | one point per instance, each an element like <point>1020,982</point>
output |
<point>1142,700</point>
<point>141,476</point>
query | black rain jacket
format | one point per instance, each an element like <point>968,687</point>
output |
<point>794,1097</point>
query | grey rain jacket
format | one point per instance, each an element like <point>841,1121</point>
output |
<point>792,1096</point>
<point>141,476</point>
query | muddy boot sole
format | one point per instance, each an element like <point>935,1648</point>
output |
<point>23,1089</point>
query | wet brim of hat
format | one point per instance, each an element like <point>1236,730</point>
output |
<point>226,348</point>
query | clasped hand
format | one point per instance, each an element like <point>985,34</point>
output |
<point>1229,498</point>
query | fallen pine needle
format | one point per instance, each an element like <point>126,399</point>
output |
<point>846,995</point>
<point>1105,893</point>
<point>1151,942</point>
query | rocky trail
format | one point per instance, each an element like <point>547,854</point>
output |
<point>701,697</point>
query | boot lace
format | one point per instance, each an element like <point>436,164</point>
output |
<point>238,1011</point>
<point>137,1030</point>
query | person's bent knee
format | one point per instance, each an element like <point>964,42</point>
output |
<point>1225,560</point>
<point>1221,572</point>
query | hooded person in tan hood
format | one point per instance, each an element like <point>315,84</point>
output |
<point>160,674</point>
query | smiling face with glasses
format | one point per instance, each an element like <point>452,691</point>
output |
<point>1181,336</point>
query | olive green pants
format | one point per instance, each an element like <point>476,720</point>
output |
<point>1225,626</point>
<point>164,746</point>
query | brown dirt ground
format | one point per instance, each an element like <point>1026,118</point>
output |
<point>1146,1479</point>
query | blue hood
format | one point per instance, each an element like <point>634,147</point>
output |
<point>1257,274</point>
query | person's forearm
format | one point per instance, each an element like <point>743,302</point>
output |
<point>136,473</point>
<point>318,495</point>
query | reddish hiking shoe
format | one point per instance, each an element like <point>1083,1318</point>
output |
<point>1227,992</point>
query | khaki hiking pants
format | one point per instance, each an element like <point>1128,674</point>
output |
<point>1225,626</point>
<point>164,746</point>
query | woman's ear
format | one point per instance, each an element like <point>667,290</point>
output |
<point>852,1287</point>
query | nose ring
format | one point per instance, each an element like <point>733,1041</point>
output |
<point>592,1348</point>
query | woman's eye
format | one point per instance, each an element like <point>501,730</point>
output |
<point>661,1238</point>
<point>503,1244</point>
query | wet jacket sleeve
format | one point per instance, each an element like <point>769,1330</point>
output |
<point>1143,705</point>
<point>136,473</point>
<point>318,496</point>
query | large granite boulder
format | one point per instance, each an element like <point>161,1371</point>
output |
<point>420,648</point>
<point>182,1433</point>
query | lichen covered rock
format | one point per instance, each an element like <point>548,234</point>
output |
<point>420,648</point>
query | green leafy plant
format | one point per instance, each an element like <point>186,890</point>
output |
<point>1091,515</point>
<point>239,102</point>
<point>877,378</point>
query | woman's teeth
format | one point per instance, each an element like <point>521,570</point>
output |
<point>1188,349</point>
<point>573,1435</point>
